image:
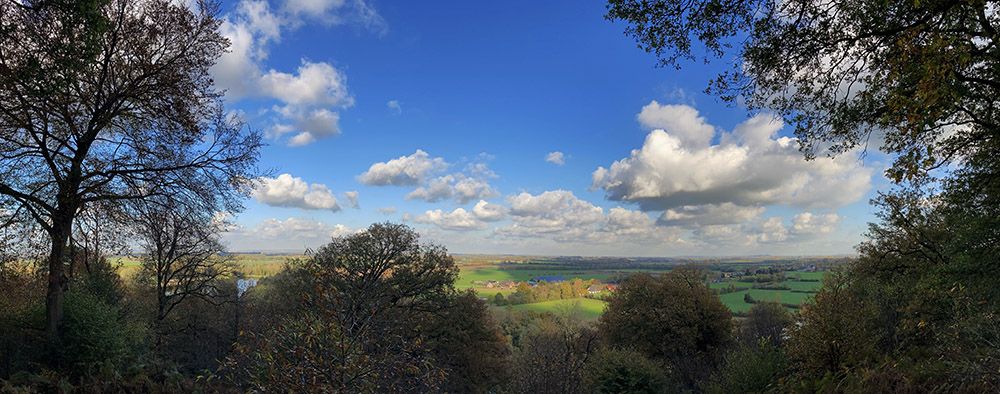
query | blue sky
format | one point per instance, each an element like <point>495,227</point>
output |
<point>442,115</point>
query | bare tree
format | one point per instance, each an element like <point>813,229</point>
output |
<point>182,255</point>
<point>110,102</point>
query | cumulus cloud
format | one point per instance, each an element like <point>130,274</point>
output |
<point>387,210</point>
<point>288,191</point>
<point>417,168</point>
<point>679,171</point>
<point>708,214</point>
<point>809,223</point>
<point>560,216</point>
<point>556,158</point>
<point>437,189</point>
<point>313,84</point>
<point>488,212</point>
<point>681,121</point>
<point>459,219</point>
<point>805,226</point>
<point>460,187</point>
<point>403,171</point>
<point>352,199</point>
<point>311,96</point>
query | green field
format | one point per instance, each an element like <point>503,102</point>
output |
<point>250,264</point>
<point>589,309</point>
<point>735,301</point>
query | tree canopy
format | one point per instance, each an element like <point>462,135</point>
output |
<point>916,78</point>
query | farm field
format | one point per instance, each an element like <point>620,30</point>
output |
<point>252,265</point>
<point>799,286</point>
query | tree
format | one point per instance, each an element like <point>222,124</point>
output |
<point>625,371</point>
<point>182,254</point>
<point>110,101</point>
<point>468,346</point>
<point>363,323</point>
<point>551,356</point>
<point>674,318</point>
<point>766,321</point>
<point>835,332</point>
<point>750,368</point>
<point>921,76</point>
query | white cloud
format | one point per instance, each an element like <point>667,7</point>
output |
<point>677,170</point>
<point>437,189</point>
<point>680,121</point>
<point>556,158</point>
<point>341,230</point>
<point>310,97</point>
<point>806,226</point>
<point>772,230</point>
<point>288,191</point>
<point>394,106</point>
<point>352,199</point>
<point>458,220</point>
<point>403,171</point>
<point>809,223</point>
<point>488,212</point>
<point>708,214</point>
<point>387,210</point>
<point>313,84</point>
<point>470,189</point>
<point>291,234</point>
<point>464,189</point>
<point>335,12</point>
<point>562,217</point>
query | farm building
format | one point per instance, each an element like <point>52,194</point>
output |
<point>547,279</point>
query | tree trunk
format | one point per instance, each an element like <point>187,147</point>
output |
<point>58,282</point>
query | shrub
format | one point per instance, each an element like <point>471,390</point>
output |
<point>625,371</point>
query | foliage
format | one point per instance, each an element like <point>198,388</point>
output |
<point>625,371</point>
<point>749,368</point>
<point>370,304</point>
<point>544,291</point>
<point>767,322</point>
<point>921,76</point>
<point>468,346</point>
<point>672,318</point>
<point>94,332</point>
<point>551,354</point>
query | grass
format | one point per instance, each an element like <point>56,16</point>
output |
<point>589,309</point>
<point>734,301</point>
<point>251,265</point>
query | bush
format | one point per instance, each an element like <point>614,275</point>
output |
<point>749,369</point>
<point>94,332</point>
<point>625,371</point>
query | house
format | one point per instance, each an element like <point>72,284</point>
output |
<point>612,287</point>
<point>594,289</point>
<point>547,279</point>
<point>507,284</point>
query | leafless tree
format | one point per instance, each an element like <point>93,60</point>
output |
<point>111,102</point>
<point>182,256</point>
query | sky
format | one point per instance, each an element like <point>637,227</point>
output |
<point>516,127</point>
